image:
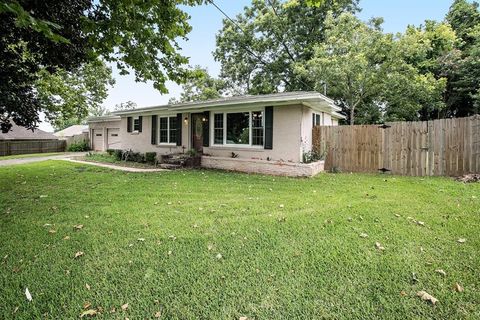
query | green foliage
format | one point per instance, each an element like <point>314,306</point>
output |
<point>151,157</point>
<point>274,36</point>
<point>201,86</point>
<point>366,70</point>
<point>192,152</point>
<point>305,260</point>
<point>118,153</point>
<point>123,106</point>
<point>78,146</point>
<point>312,156</point>
<point>57,35</point>
<point>69,97</point>
<point>111,152</point>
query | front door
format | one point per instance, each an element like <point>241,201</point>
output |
<point>197,131</point>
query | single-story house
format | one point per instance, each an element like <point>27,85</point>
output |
<point>260,133</point>
<point>75,130</point>
<point>20,140</point>
<point>73,134</point>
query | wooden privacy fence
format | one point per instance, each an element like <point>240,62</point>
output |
<point>445,147</point>
<point>13,147</point>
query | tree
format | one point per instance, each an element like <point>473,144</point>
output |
<point>462,91</point>
<point>366,73</point>
<point>69,97</point>
<point>124,106</point>
<point>259,48</point>
<point>202,87</point>
<point>139,35</point>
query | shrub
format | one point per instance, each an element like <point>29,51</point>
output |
<point>129,155</point>
<point>78,146</point>
<point>118,154</point>
<point>111,151</point>
<point>151,157</point>
<point>312,156</point>
<point>192,153</point>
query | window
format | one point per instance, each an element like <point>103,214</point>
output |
<point>136,124</point>
<point>257,128</point>
<point>315,119</point>
<point>98,134</point>
<point>238,128</point>
<point>218,128</point>
<point>114,134</point>
<point>168,129</point>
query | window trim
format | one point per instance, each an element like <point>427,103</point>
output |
<point>320,119</point>
<point>133,124</point>
<point>233,146</point>
<point>168,130</point>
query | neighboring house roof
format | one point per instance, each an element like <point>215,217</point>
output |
<point>22,133</point>
<point>312,99</point>
<point>71,131</point>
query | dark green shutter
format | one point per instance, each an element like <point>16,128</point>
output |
<point>129,124</point>
<point>268,128</point>
<point>140,123</point>
<point>179,129</point>
<point>154,130</point>
<point>206,129</point>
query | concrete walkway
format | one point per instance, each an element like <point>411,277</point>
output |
<point>114,167</point>
<point>64,156</point>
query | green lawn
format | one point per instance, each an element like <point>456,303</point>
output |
<point>215,245</point>
<point>30,155</point>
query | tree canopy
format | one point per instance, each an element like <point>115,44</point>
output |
<point>428,71</point>
<point>58,34</point>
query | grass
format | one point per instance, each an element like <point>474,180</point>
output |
<point>106,158</point>
<point>223,245</point>
<point>31,155</point>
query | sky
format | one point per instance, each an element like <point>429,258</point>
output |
<point>206,21</point>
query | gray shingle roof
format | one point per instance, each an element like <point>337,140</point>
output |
<point>21,133</point>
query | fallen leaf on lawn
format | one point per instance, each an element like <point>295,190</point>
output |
<point>43,196</point>
<point>363,235</point>
<point>414,277</point>
<point>87,305</point>
<point>87,286</point>
<point>379,246</point>
<point>243,318</point>
<point>113,310</point>
<point>397,215</point>
<point>281,206</point>
<point>66,238</point>
<point>218,256</point>
<point>79,254</point>
<point>461,240</point>
<point>169,203</point>
<point>141,239</point>
<point>169,252</point>
<point>47,225</point>
<point>158,314</point>
<point>52,231</point>
<point>210,247</point>
<point>78,227</point>
<point>125,306</point>
<point>420,223</point>
<point>28,295</point>
<point>457,287</point>
<point>443,273</point>
<point>16,309</point>
<point>427,297</point>
<point>89,313</point>
<point>403,293</point>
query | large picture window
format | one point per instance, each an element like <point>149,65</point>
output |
<point>238,128</point>
<point>167,130</point>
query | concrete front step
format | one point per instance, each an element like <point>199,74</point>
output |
<point>170,166</point>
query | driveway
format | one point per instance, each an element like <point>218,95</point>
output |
<point>65,156</point>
